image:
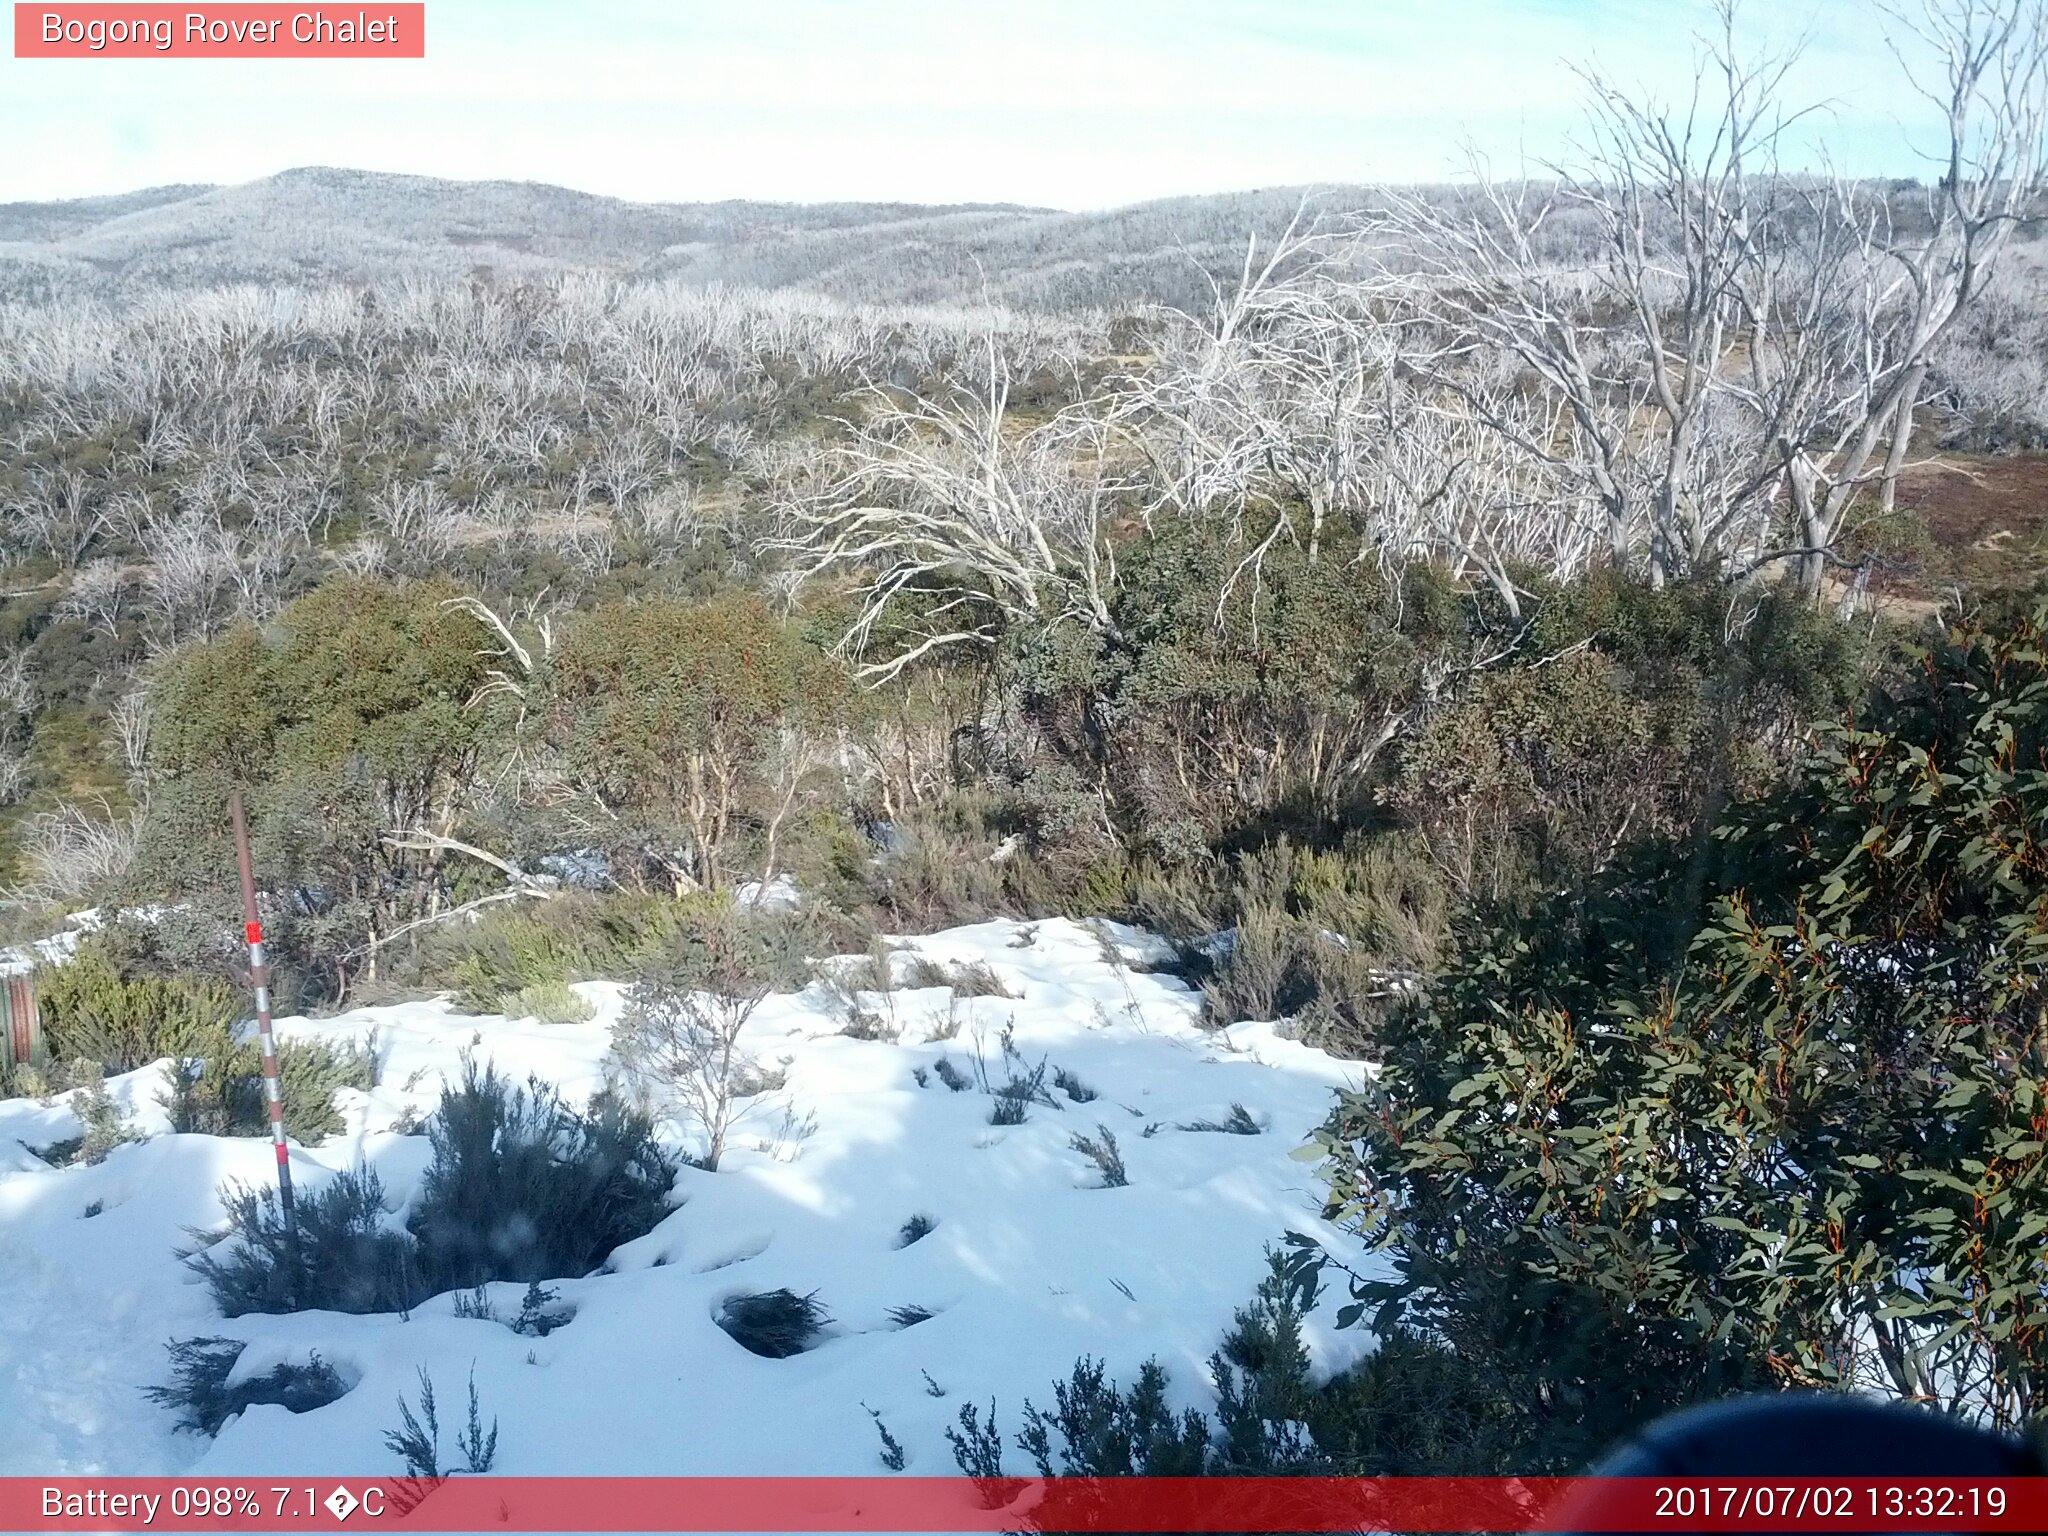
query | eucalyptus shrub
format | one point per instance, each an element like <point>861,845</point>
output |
<point>1771,1112</point>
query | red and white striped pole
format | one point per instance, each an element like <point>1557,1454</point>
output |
<point>259,977</point>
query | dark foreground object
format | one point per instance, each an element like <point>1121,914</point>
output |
<point>1803,1435</point>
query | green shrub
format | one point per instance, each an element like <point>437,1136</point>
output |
<point>1264,1407</point>
<point>1101,1150</point>
<point>972,978</point>
<point>538,1315</point>
<point>875,971</point>
<point>579,936</point>
<point>199,1390</point>
<point>549,1002</point>
<point>1182,902</point>
<point>520,1188</point>
<point>1281,967</point>
<point>524,1188</point>
<point>1017,1092</point>
<point>1209,712</point>
<point>417,1440</point>
<point>91,1011</point>
<point>105,1129</point>
<point>362,708</point>
<point>1239,1122</point>
<point>938,880</point>
<point>703,725</point>
<point>340,1256</point>
<point>774,1324</point>
<point>1095,1429</point>
<point>539,945</point>
<point>1768,1112</point>
<point>217,1089</point>
<point>1107,889</point>
<point>916,1228</point>
<point>1415,1408</point>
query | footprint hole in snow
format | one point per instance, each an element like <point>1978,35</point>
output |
<point>736,1252</point>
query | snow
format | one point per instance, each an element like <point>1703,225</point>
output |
<point>19,959</point>
<point>1030,1265</point>
<point>779,892</point>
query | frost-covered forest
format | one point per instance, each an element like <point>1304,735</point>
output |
<point>1533,689</point>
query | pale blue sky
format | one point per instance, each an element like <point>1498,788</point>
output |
<point>1071,103</point>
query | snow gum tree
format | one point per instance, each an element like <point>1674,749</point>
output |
<point>694,726</point>
<point>360,727</point>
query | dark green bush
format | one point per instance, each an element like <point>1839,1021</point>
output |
<point>521,1188</point>
<point>92,1012</point>
<point>775,1324</point>
<point>538,1315</point>
<point>1095,1429</point>
<point>417,1440</point>
<point>341,1257</point>
<point>1239,1122</point>
<point>1101,1150</point>
<point>918,1226</point>
<point>1205,714</point>
<point>1413,1408</point>
<point>1072,1086</point>
<point>1767,1112</point>
<point>524,1188</point>
<point>217,1089</point>
<point>199,1390</point>
<point>1265,1407</point>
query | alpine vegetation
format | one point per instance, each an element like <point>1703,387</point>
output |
<point>1490,736</point>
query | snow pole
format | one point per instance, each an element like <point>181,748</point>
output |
<point>259,978</point>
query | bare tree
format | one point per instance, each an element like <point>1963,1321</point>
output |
<point>1736,337</point>
<point>97,593</point>
<point>1982,65</point>
<point>946,503</point>
<point>132,716</point>
<point>187,573</point>
<point>61,516</point>
<point>681,1034</point>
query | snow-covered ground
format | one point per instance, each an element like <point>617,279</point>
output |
<point>1030,1264</point>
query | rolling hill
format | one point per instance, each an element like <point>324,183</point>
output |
<point>320,224</point>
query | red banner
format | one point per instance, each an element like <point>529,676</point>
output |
<point>374,31</point>
<point>1020,1504</point>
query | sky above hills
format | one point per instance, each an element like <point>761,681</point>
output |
<point>1061,103</point>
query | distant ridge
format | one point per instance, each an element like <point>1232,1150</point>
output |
<point>327,224</point>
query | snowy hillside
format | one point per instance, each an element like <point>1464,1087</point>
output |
<point>1029,1263</point>
<point>323,223</point>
